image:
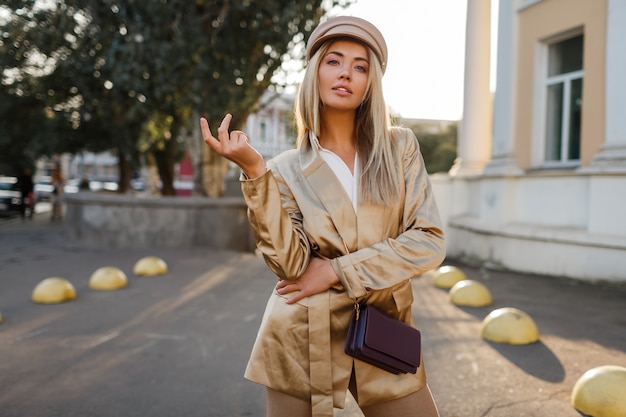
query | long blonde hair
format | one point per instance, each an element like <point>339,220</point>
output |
<point>380,179</point>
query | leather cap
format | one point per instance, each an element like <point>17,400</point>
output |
<point>351,27</point>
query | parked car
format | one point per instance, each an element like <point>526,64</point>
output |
<point>138,184</point>
<point>44,188</point>
<point>10,197</point>
<point>72,186</point>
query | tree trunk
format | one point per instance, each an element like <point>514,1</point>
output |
<point>151,174</point>
<point>214,170</point>
<point>195,145</point>
<point>124,173</point>
<point>165,161</point>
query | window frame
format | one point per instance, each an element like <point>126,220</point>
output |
<point>542,85</point>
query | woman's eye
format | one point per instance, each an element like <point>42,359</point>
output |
<point>332,62</point>
<point>361,68</point>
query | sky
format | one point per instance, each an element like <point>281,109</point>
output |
<point>426,43</point>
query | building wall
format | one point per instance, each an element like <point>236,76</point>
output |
<point>516,215</point>
<point>271,128</point>
<point>539,23</point>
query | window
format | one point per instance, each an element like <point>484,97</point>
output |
<point>563,102</point>
<point>264,131</point>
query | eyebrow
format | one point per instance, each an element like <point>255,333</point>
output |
<point>341,54</point>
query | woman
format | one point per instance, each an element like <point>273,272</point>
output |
<point>349,215</point>
<point>58,182</point>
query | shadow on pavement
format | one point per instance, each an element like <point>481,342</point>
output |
<point>535,359</point>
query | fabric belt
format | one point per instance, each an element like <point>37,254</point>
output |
<point>320,359</point>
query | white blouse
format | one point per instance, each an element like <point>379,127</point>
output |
<point>341,170</point>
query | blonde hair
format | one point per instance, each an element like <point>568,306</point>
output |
<point>380,177</point>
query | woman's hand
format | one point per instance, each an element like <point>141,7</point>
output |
<point>318,277</point>
<point>234,147</point>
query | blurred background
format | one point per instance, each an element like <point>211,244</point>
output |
<point>518,106</point>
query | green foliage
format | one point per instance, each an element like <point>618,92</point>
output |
<point>15,153</point>
<point>438,149</point>
<point>90,75</point>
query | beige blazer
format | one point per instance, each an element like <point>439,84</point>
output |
<point>299,209</point>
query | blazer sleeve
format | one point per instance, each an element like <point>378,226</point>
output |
<point>417,249</point>
<point>276,222</point>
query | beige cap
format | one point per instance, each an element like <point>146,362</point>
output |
<point>352,27</point>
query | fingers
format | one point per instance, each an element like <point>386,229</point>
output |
<point>238,136</point>
<point>222,131</point>
<point>234,146</point>
<point>299,296</point>
<point>282,284</point>
<point>286,287</point>
<point>206,131</point>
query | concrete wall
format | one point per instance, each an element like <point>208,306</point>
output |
<point>547,223</point>
<point>130,221</point>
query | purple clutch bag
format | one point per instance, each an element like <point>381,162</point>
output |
<point>383,341</point>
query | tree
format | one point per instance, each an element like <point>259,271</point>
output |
<point>438,149</point>
<point>106,74</point>
<point>14,153</point>
<point>83,96</point>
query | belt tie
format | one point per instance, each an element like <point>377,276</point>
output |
<point>320,360</point>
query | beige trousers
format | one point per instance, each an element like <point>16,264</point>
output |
<point>417,404</point>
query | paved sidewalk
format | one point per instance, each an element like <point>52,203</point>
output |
<point>176,345</point>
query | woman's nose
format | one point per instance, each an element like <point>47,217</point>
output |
<point>345,74</point>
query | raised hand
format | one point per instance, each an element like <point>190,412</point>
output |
<point>234,146</point>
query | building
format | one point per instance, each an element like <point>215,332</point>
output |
<point>539,185</point>
<point>271,128</point>
<point>101,166</point>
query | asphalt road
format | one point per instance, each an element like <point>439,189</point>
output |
<point>177,344</point>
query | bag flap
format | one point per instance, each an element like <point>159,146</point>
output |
<point>392,337</point>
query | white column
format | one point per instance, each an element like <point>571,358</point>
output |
<point>612,155</point>
<point>502,154</point>
<point>474,144</point>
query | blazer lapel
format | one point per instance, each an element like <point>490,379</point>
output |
<point>329,191</point>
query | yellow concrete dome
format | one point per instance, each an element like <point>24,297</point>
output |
<point>601,392</point>
<point>470,293</point>
<point>53,290</point>
<point>108,278</point>
<point>511,326</point>
<point>446,276</point>
<point>150,266</point>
